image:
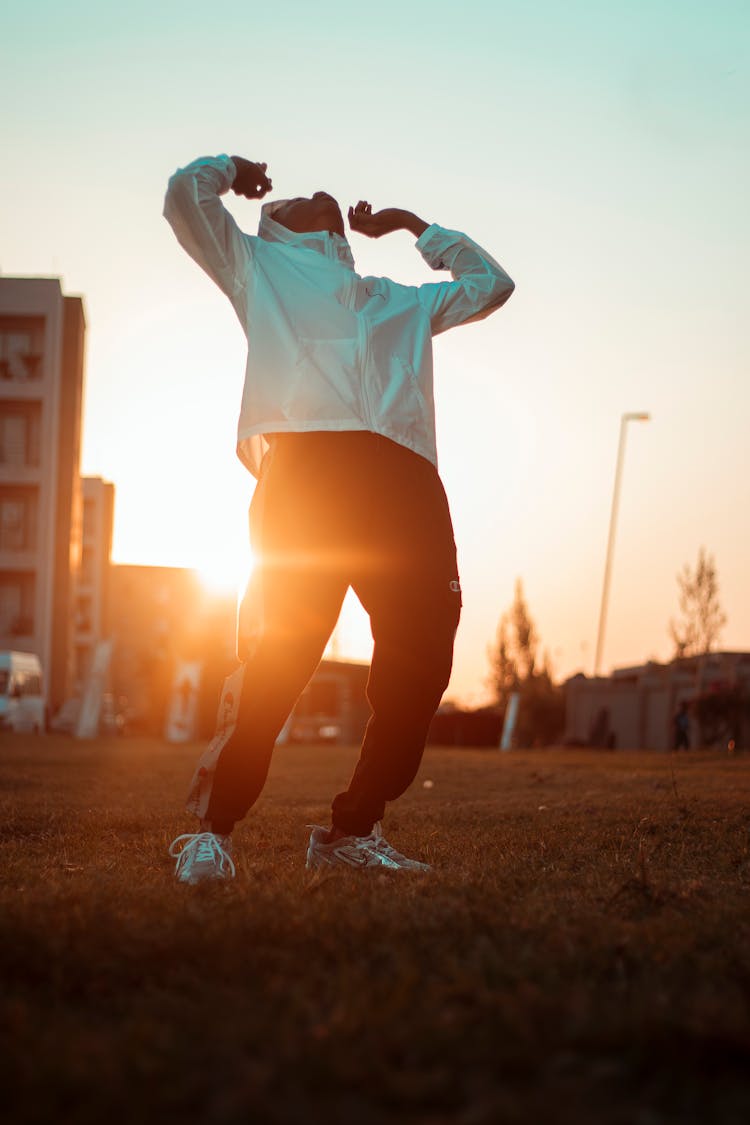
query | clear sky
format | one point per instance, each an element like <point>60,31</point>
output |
<point>599,151</point>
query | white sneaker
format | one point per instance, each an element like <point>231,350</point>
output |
<point>202,857</point>
<point>357,851</point>
<point>382,847</point>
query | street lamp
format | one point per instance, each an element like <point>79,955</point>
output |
<point>641,417</point>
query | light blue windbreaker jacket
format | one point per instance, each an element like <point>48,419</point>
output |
<point>328,349</point>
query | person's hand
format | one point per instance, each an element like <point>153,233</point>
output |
<point>251,180</point>
<point>362,220</point>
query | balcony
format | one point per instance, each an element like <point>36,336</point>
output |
<point>17,390</point>
<point>11,558</point>
<point>20,474</point>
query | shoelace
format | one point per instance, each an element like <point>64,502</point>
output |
<point>203,847</point>
<point>365,846</point>
<point>381,845</point>
<point>376,842</point>
<point>362,844</point>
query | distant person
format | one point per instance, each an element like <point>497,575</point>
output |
<point>337,424</point>
<point>681,722</point>
<point>601,735</point>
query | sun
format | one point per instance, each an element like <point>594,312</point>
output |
<point>222,572</point>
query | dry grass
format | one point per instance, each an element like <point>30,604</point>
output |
<point>581,952</point>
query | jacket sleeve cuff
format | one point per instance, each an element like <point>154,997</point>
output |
<point>218,173</point>
<point>225,167</point>
<point>433,243</point>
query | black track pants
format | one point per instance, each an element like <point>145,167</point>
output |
<point>334,510</point>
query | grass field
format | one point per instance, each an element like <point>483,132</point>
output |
<point>581,952</point>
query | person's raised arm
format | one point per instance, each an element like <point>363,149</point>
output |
<point>385,222</point>
<point>203,226</point>
<point>480,285</point>
<point>362,220</point>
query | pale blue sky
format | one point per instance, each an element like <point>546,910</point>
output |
<point>599,151</point>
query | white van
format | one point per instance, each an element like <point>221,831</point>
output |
<point>22,701</point>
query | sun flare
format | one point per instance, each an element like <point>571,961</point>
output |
<point>224,573</point>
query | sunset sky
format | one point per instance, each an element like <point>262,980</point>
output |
<point>599,151</point>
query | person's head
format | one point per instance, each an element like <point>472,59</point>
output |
<point>319,212</point>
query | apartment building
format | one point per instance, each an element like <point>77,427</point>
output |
<point>92,617</point>
<point>41,386</point>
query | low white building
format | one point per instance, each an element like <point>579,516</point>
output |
<point>634,708</point>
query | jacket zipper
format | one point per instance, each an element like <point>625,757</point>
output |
<point>364,346</point>
<point>363,339</point>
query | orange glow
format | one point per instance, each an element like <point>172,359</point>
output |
<point>224,573</point>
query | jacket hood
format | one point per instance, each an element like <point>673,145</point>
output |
<point>271,231</point>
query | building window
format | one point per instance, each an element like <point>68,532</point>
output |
<point>18,512</point>
<point>16,604</point>
<point>89,519</point>
<point>88,561</point>
<point>21,348</point>
<point>84,619</point>
<point>20,424</point>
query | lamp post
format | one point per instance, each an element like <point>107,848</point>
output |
<point>638,417</point>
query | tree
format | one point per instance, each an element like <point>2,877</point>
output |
<point>722,715</point>
<point>513,663</point>
<point>702,620</point>
<point>513,659</point>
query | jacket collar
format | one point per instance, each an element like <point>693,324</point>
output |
<point>320,240</point>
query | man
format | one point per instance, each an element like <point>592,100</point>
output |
<point>681,727</point>
<point>337,423</point>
